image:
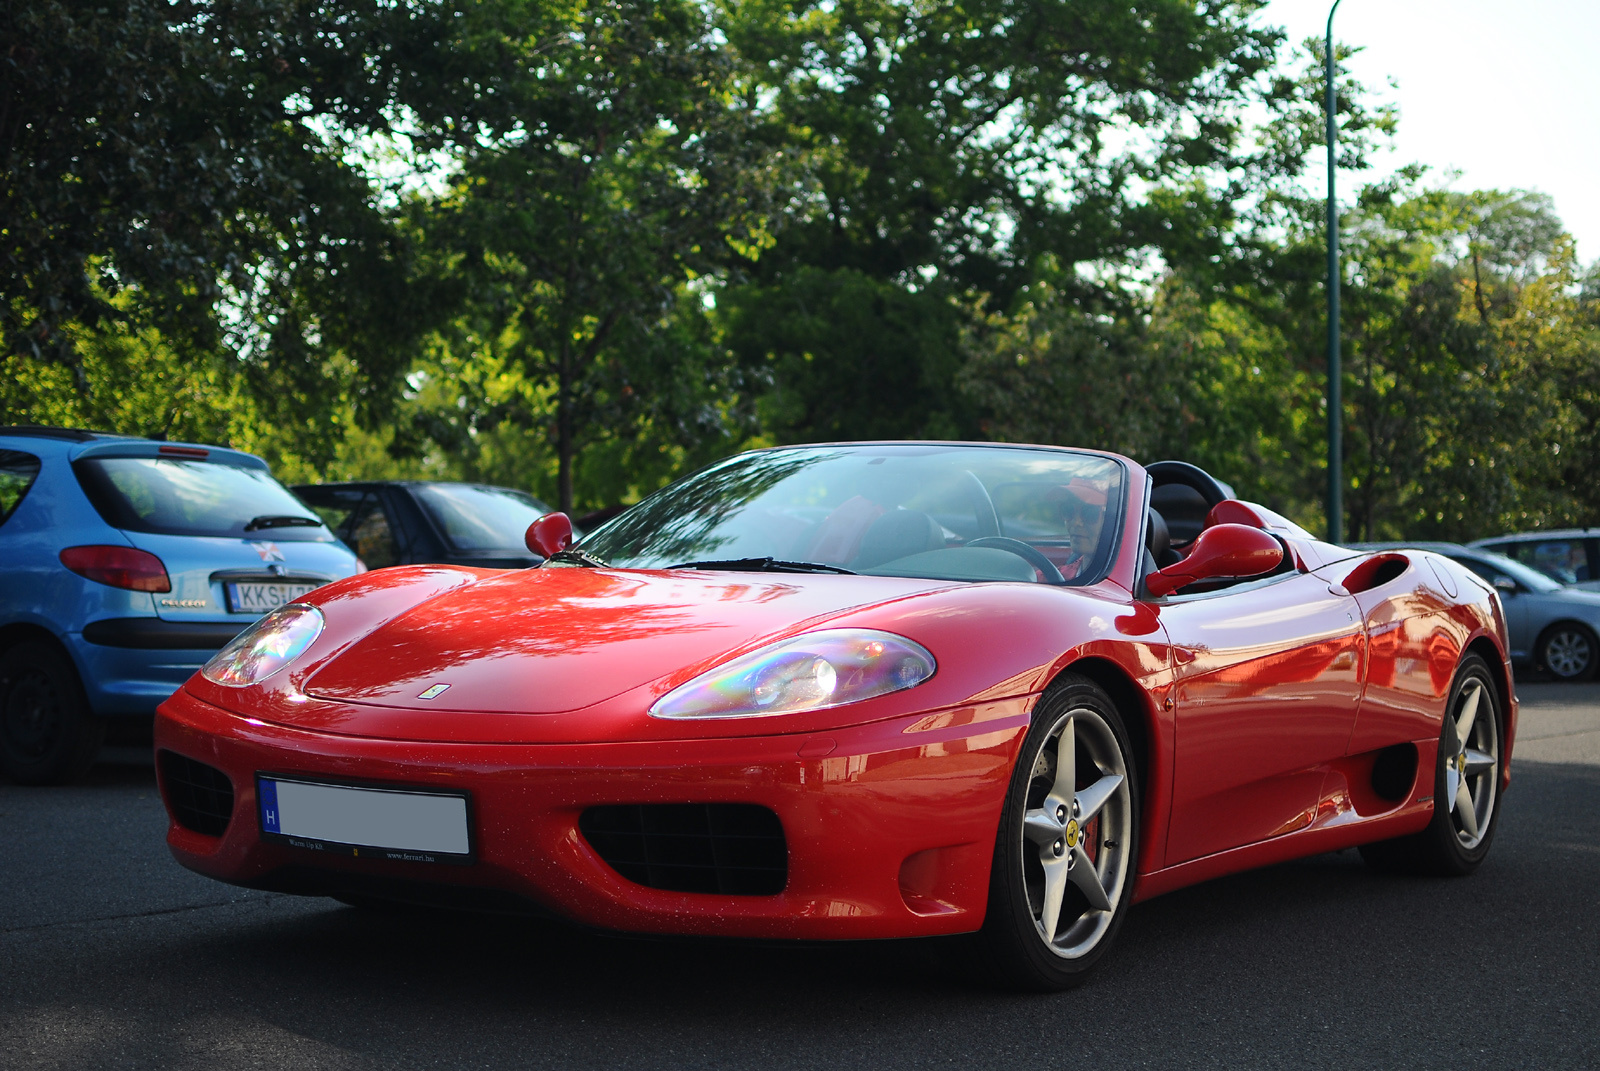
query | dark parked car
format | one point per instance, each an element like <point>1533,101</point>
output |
<point>1570,555</point>
<point>409,522</point>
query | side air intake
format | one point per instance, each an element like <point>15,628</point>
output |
<point>200,797</point>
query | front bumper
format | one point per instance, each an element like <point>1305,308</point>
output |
<point>890,826</point>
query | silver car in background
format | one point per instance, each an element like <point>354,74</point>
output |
<point>1570,555</point>
<point>1554,627</point>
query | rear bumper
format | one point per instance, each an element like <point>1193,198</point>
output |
<point>889,827</point>
<point>155,634</point>
<point>130,679</point>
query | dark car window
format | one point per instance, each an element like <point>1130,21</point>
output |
<point>194,498</point>
<point>17,473</point>
<point>1566,560</point>
<point>1507,569</point>
<point>371,536</point>
<point>333,504</point>
<point>481,518</point>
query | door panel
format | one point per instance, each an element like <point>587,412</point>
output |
<point>1412,658</point>
<point>1268,681</point>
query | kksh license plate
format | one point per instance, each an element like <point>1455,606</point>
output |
<point>376,822</point>
<point>252,598</point>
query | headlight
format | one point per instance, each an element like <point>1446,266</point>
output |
<point>265,647</point>
<point>810,672</point>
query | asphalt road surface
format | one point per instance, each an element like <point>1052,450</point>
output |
<point>111,956</point>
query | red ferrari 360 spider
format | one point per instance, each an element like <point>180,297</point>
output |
<point>858,691</point>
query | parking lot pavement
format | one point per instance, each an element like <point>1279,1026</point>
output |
<point>111,956</point>
<point>1558,723</point>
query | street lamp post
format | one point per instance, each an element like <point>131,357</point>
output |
<point>1335,402</point>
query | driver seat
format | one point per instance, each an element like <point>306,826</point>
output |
<point>899,533</point>
<point>1183,494</point>
<point>1158,542</point>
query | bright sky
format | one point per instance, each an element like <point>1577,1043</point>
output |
<point>1507,92</point>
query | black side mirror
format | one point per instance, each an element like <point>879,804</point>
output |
<point>1505,585</point>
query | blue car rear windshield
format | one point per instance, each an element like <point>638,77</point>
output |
<point>196,498</point>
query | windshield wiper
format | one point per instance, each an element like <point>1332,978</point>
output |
<point>765,565</point>
<point>578,557</point>
<point>284,521</point>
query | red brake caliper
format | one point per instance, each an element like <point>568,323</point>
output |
<point>1090,834</point>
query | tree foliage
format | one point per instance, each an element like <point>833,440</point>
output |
<point>582,245</point>
<point>634,170</point>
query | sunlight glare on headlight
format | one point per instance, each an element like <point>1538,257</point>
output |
<point>265,647</point>
<point>817,670</point>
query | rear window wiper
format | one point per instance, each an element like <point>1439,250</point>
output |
<point>281,521</point>
<point>765,565</point>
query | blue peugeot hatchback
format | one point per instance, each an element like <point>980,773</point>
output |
<point>125,563</point>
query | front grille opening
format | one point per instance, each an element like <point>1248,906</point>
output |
<point>735,849</point>
<point>200,797</point>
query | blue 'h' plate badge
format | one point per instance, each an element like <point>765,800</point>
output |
<point>267,794</point>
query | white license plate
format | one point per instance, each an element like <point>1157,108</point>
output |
<point>249,598</point>
<point>383,823</point>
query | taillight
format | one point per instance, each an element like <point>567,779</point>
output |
<point>121,567</point>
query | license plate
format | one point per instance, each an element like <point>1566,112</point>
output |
<point>251,598</point>
<point>365,822</point>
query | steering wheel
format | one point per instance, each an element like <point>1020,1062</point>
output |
<point>983,511</point>
<point>1031,555</point>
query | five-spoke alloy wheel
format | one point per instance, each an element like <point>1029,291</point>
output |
<point>1064,858</point>
<point>1466,784</point>
<point>1569,652</point>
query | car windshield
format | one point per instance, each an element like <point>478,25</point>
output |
<point>170,496</point>
<point>475,517</point>
<point>944,512</point>
<point>1531,579</point>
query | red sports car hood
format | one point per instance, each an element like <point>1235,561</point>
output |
<point>543,641</point>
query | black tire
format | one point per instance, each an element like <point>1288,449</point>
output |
<point>376,905</point>
<point>1452,845</point>
<point>48,735</point>
<point>1013,949</point>
<point>1568,651</point>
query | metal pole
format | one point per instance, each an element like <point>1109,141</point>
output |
<point>1335,401</point>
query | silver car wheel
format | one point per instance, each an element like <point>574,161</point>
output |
<point>1568,653</point>
<point>1471,773</point>
<point>1077,833</point>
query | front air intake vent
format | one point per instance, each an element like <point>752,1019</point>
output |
<point>200,797</point>
<point>736,849</point>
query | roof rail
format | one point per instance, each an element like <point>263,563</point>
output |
<point>75,435</point>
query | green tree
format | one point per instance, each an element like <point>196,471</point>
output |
<point>957,153</point>
<point>1197,379</point>
<point>1460,333</point>
<point>592,229</point>
<point>191,167</point>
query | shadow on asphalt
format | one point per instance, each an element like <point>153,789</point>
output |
<point>1324,901</point>
<point>1317,963</point>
